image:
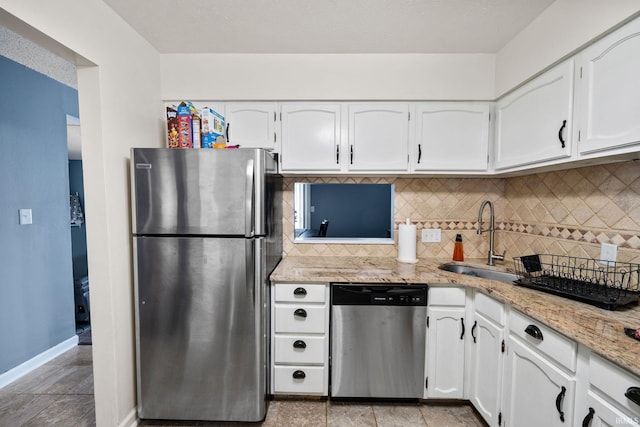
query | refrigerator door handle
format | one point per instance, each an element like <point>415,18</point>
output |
<point>248,199</point>
<point>254,262</point>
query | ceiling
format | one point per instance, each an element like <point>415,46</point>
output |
<point>328,26</point>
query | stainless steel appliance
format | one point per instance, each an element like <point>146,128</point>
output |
<point>378,341</point>
<point>206,235</point>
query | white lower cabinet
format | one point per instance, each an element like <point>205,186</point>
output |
<point>601,413</point>
<point>613,397</point>
<point>536,391</point>
<point>487,335</point>
<point>299,339</point>
<point>539,385</point>
<point>445,345</point>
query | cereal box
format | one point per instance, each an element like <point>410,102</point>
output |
<point>212,126</point>
<point>172,127</point>
<point>184,127</point>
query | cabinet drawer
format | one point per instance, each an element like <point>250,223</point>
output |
<point>613,381</point>
<point>311,383</point>
<point>304,292</point>
<point>447,296</point>
<point>489,307</point>
<point>553,344</point>
<point>291,318</point>
<point>299,349</point>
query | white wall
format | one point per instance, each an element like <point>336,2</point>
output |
<point>327,76</point>
<point>119,108</point>
<point>562,28</point>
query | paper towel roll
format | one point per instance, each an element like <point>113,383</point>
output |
<point>407,242</point>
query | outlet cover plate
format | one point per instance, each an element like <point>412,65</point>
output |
<point>608,252</point>
<point>25,217</point>
<point>431,235</point>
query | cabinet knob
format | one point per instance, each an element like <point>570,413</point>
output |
<point>299,344</point>
<point>299,375</point>
<point>300,312</point>
<point>299,291</point>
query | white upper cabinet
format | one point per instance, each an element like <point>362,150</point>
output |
<point>252,124</point>
<point>451,136</point>
<point>378,137</point>
<point>534,123</point>
<point>310,137</point>
<point>610,93</point>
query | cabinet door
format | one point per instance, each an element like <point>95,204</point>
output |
<point>601,413</point>
<point>536,392</point>
<point>609,92</point>
<point>378,137</point>
<point>252,124</point>
<point>534,123</point>
<point>445,352</point>
<point>310,137</point>
<point>451,136</point>
<point>486,368</point>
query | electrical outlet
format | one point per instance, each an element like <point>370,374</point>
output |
<point>608,253</point>
<point>431,235</point>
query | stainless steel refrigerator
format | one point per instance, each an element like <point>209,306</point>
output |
<point>206,235</point>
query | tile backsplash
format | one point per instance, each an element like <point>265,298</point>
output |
<point>566,212</point>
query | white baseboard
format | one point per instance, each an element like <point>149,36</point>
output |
<point>35,362</point>
<point>131,420</point>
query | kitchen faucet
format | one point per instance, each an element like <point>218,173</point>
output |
<point>491,256</point>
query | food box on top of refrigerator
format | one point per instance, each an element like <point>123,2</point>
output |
<point>184,127</point>
<point>172,127</point>
<point>212,126</point>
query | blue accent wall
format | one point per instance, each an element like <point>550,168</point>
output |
<point>36,279</point>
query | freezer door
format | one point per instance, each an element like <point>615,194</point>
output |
<point>200,192</point>
<point>201,328</point>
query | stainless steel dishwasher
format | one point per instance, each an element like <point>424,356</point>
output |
<point>378,341</point>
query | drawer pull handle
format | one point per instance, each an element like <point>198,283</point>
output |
<point>300,313</point>
<point>473,329</point>
<point>300,291</point>
<point>633,394</point>
<point>587,420</point>
<point>299,375</point>
<point>299,344</point>
<point>564,125</point>
<point>534,331</point>
<point>559,403</point>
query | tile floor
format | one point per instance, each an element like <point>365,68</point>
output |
<point>60,393</point>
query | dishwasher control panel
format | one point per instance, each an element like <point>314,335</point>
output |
<point>363,294</point>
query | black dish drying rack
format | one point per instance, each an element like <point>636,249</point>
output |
<point>605,284</point>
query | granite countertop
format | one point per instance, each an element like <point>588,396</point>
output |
<point>598,329</point>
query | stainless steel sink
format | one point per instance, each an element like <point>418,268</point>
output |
<point>484,273</point>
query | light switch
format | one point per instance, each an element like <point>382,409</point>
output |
<point>25,216</point>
